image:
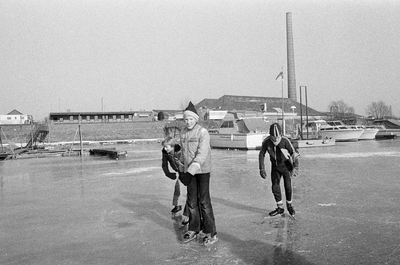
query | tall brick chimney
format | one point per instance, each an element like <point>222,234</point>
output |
<point>290,59</point>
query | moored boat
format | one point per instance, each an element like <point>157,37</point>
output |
<point>333,130</point>
<point>368,133</point>
<point>388,128</point>
<point>239,133</point>
<point>313,143</point>
<point>4,156</point>
<point>383,132</point>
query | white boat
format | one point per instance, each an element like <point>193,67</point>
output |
<point>242,133</point>
<point>333,130</point>
<point>368,133</point>
<point>313,143</point>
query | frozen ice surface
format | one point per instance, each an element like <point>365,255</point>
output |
<point>95,210</point>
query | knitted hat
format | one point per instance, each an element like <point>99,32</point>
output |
<point>275,130</point>
<point>191,111</point>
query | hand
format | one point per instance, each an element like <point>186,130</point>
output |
<point>295,172</point>
<point>263,174</point>
<point>185,178</point>
<point>171,176</point>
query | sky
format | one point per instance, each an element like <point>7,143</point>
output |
<point>118,55</point>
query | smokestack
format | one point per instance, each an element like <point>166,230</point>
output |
<point>290,58</point>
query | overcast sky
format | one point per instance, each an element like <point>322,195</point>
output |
<point>82,55</point>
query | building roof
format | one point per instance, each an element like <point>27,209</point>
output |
<point>252,103</point>
<point>15,112</point>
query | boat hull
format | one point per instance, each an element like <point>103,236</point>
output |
<point>313,143</point>
<point>351,135</point>
<point>251,141</point>
<point>387,134</point>
<point>369,134</point>
<point>3,156</point>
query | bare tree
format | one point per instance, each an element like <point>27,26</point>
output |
<point>378,110</point>
<point>340,110</point>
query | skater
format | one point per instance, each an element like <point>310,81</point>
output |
<point>196,159</point>
<point>171,153</point>
<point>284,163</point>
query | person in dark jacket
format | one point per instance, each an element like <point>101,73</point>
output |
<point>284,164</point>
<point>171,154</point>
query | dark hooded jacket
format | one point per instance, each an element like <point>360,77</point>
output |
<point>276,156</point>
<point>172,159</point>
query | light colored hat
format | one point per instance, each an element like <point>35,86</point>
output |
<point>191,111</point>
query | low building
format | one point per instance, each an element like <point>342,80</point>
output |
<point>265,106</point>
<point>15,117</point>
<point>100,117</point>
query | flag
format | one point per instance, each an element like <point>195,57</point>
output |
<point>280,76</point>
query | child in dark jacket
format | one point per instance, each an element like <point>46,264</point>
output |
<point>284,164</point>
<point>171,153</point>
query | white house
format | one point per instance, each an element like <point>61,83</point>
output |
<point>15,117</point>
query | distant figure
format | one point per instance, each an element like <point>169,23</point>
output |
<point>284,163</point>
<point>196,159</point>
<point>171,154</point>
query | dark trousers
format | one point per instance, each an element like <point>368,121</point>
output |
<point>201,215</point>
<point>277,172</point>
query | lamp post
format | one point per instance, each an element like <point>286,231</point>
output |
<point>293,108</point>
<point>305,88</point>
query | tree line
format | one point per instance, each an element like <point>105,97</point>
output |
<point>375,110</point>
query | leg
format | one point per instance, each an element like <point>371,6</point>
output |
<point>287,180</point>
<point>192,205</point>
<point>175,199</point>
<point>275,181</point>
<point>276,191</point>
<point>206,209</point>
<point>177,193</point>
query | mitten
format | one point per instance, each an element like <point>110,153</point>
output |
<point>171,175</point>
<point>185,178</point>
<point>263,174</point>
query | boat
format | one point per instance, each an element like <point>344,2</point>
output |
<point>388,128</point>
<point>298,143</point>
<point>245,133</point>
<point>369,133</point>
<point>4,156</point>
<point>383,132</point>
<point>312,137</point>
<point>332,130</point>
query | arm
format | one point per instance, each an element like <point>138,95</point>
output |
<point>261,158</point>
<point>202,152</point>
<point>164,165</point>
<point>294,158</point>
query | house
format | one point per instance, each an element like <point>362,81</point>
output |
<point>15,117</point>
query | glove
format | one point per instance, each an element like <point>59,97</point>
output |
<point>295,172</point>
<point>263,174</point>
<point>185,178</point>
<point>171,176</point>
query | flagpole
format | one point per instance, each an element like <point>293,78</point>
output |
<point>283,118</point>
<point>280,78</point>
